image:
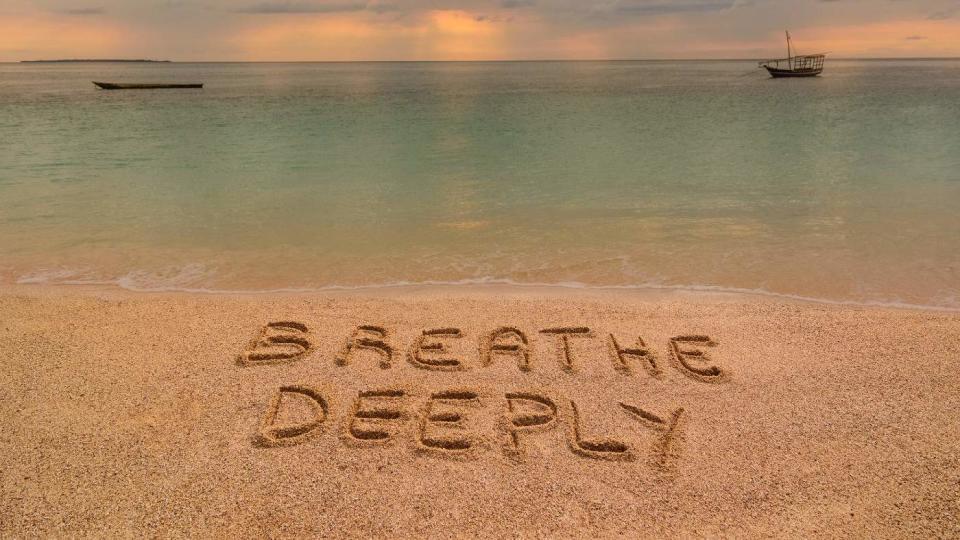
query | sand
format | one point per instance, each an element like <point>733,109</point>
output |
<point>177,414</point>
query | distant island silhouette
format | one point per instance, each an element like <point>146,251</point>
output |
<point>81,60</point>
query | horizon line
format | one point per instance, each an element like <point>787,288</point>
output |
<point>521,60</point>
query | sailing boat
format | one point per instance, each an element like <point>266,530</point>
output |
<point>809,65</point>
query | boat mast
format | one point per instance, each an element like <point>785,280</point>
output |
<point>789,52</point>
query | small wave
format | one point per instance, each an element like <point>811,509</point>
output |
<point>173,278</point>
<point>140,282</point>
<point>47,276</point>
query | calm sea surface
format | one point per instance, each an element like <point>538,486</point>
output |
<point>633,174</point>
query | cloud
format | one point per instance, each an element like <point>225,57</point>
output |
<point>663,7</point>
<point>83,11</point>
<point>514,4</point>
<point>270,8</point>
<point>942,15</point>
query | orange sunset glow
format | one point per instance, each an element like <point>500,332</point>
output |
<point>474,30</point>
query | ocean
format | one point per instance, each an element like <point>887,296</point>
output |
<point>634,175</point>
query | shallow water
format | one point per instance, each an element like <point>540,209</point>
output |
<point>632,174</point>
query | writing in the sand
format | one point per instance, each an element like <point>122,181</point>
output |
<point>459,422</point>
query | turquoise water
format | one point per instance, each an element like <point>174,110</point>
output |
<point>633,174</point>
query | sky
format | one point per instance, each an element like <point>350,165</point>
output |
<point>340,30</point>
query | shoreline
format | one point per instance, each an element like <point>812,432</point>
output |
<point>643,293</point>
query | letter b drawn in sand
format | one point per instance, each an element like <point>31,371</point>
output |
<point>428,342</point>
<point>695,362</point>
<point>564,334</point>
<point>597,448</point>
<point>527,413</point>
<point>640,352</point>
<point>305,403</point>
<point>376,417</point>
<point>277,342</point>
<point>666,449</point>
<point>369,338</point>
<point>442,425</point>
<point>506,341</point>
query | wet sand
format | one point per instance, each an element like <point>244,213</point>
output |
<point>463,412</point>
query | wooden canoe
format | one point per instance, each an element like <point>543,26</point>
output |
<point>124,86</point>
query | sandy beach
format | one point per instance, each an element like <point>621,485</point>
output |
<point>452,412</point>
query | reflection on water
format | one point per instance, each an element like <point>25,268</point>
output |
<point>600,173</point>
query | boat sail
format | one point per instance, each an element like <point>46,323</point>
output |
<point>809,65</point>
